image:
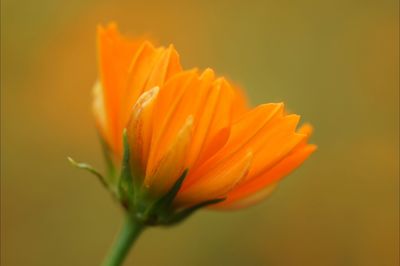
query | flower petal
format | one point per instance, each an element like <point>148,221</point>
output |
<point>139,130</point>
<point>115,55</point>
<point>240,103</point>
<point>166,105</point>
<point>171,165</point>
<point>199,99</point>
<point>127,69</point>
<point>275,142</point>
<point>217,182</point>
<point>268,178</point>
<point>143,63</point>
<point>167,66</point>
<point>217,118</point>
<point>241,133</point>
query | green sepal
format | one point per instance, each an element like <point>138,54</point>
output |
<point>111,169</point>
<point>156,211</point>
<point>162,212</point>
<point>89,168</point>
<point>135,198</point>
<point>182,215</point>
<point>165,202</point>
<point>125,184</point>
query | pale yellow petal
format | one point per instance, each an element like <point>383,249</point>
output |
<point>99,111</point>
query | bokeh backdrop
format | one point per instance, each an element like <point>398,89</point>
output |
<point>334,62</point>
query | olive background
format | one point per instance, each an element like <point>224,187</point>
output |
<point>334,62</point>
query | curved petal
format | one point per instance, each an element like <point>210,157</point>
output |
<point>217,182</point>
<point>274,143</point>
<point>248,201</point>
<point>268,178</point>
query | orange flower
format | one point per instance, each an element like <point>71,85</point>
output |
<point>179,120</point>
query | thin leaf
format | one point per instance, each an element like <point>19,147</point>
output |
<point>89,168</point>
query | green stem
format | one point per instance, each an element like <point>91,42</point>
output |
<point>129,233</point>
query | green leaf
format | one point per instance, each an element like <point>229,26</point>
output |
<point>89,168</point>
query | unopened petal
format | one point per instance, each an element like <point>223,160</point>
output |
<point>172,164</point>
<point>139,130</point>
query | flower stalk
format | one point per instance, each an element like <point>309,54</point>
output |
<point>130,231</point>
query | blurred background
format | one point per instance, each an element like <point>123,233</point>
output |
<point>334,62</point>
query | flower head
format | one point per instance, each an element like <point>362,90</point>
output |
<point>188,133</point>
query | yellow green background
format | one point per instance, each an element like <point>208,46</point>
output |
<point>334,62</point>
